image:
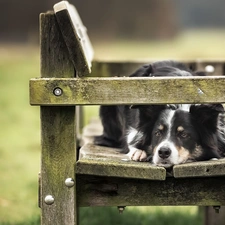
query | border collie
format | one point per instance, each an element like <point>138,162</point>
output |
<point>165,135</point>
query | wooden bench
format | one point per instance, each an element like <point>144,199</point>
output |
<point>95,175</point>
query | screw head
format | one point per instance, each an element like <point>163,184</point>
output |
<point>57,91</point>
<point>49,200</point>
<point>69,182</point>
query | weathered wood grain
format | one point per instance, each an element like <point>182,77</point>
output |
<point>75,37</point>
<point>109,162</point>
<point>57,132</point>
<point>95,91</point>
<point>97,191</point>
<point>200,169</point>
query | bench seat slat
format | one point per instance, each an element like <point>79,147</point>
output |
<point>200,169</point>
<point>104,91</point>
<point>102,161</point>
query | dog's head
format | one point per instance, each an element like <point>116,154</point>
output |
<point>181,135</point>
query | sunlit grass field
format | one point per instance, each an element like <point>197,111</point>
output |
<point>20,133</point>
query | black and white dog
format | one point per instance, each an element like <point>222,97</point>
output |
<point>166,135</point>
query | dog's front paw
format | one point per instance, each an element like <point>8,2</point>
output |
<point>137,155</point>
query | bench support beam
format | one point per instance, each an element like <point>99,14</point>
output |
<point>106,91</point>
<point>111,191</point>
<point>57,200</point>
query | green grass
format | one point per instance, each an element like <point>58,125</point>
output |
<point>19,146</point>
<point>141,216</point>
<point>191,44</point>
<point>20,133</point>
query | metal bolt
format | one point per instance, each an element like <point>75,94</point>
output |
<point>217,209</point>
<point>49,200</point>
<point>69,182</point>
<point>209,69</point>
<point>121,209</point>
<point>57,91</point>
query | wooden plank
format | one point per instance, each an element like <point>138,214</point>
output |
<point>75,36</point>
<point>57,132</point>
<point>200,169</point>
<point>97,91</point>
<point>97,191</point>
<point>109,162</point>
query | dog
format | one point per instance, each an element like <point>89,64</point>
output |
<point>165,135</point>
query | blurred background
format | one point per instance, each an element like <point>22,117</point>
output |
<point>143,29</point>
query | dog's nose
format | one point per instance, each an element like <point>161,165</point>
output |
<point>164,152</point>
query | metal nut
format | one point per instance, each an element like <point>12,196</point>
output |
<point>49,200</point>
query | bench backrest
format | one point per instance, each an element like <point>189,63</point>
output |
<point>75,37</point>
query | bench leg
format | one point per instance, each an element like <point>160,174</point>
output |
<point>58,133</point>
<point>58,182</point>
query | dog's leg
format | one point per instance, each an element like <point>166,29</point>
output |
<point>112,127</point>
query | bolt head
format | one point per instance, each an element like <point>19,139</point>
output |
<point>69,182</point>
<point>57,91</point>
<point>49,200</point>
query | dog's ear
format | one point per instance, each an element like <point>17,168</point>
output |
<point>144,71</point>
<point>206,114</point>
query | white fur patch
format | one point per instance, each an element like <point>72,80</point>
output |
<point>185,107</point>
<point>174,157</point>
<point>132,132</point>
<point>134,153</point>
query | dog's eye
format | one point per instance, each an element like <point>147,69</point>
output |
<point>183,134</point>
<point>158,133</point>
